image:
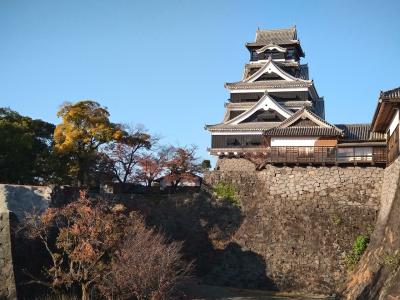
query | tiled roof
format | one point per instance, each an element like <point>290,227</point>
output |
<point>268,84</point>
<point>254,126</point>
<point>360,132</point>
<point>321,128</point>
<point>391,94</point>
<point>303,131</point>
<point>240,105</point>
<point>276,36</point>
<point>305,111</point>
<point>296,103</point>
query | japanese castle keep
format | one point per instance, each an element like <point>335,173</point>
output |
<point>275,111</point>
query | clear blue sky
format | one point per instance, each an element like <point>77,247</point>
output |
<point>163,63</point>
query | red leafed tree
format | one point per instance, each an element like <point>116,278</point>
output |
<point>182,165</point>
<point>151,166</point>
<point>122,155</point>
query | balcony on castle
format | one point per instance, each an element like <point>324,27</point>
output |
<point>319,155</point>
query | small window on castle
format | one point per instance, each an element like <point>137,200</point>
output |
<point>254,55</point>
<point>290,53</point>
<point>231,141</point>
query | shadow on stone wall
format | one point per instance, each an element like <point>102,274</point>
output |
<point>239,268</point>
<point>30,257</point>
<point>206,227</point>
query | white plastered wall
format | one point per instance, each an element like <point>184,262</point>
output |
<point>394,122</point>
<point>293,141</point>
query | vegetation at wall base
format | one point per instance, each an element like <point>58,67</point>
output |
<point>359,246</point>
<point>392,260</point>
<point>227,192</point>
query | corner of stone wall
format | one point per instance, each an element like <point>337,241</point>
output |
<point>373,278</point>
<point>7,280</point>
<point>15,201</point>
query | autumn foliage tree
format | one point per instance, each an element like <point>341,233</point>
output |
<point>182,165</point>
<point>84,128</point>
<point>124,154</point>
<point>87,235</point>
<point>151,166</point>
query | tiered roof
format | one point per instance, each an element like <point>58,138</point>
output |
<point>276,37</point>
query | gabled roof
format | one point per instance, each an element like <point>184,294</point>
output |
<point>301,69</point>
<point>267,103</point>
<point>289,127</point>
<point>388,102</point>
<point>305,113</point>
<point>271,67</point>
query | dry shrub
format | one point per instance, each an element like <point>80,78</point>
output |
<point>97,246</point>
<point>146,266</point>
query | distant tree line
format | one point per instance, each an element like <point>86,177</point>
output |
<point>86,149</point>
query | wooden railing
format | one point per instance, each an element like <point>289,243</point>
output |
<point>309,155</point>
<point>301,154</point>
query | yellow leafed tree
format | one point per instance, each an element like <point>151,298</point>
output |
<point>85,126</point>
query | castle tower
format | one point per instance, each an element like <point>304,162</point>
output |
<point>275,109</point>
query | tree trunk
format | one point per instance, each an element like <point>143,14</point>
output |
<point>85,291</point>
<point>149,182</point>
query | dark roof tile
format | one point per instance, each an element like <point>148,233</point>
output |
<point>303,131</point>
<point>276,36</point>
<point>359,132</point>
<point>391,94</point>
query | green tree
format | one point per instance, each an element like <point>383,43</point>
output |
<point>25,148</point>
<point>84,128</point>
<point>206,164</point>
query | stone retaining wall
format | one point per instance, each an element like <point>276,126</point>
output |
<point>291,232</point>
<point>302,220</point>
